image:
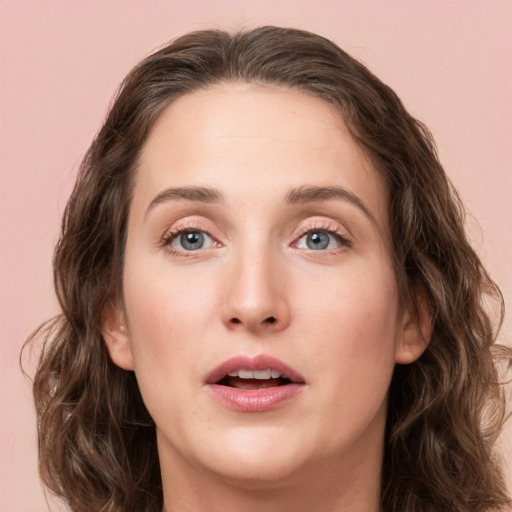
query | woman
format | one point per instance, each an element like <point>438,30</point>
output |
<point>269,302</point>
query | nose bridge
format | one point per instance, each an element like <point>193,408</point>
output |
<point>256,298</point>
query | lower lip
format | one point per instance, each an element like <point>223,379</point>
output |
<point>254,400</point>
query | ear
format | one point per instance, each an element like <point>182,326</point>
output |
<point>415,332</point>
<point>116,336</point>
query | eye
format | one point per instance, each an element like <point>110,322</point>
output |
<point>190,240</point>
<point>320,240</point>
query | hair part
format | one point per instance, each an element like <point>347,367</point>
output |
<point>97,443</point>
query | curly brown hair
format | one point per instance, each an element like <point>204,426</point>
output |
<point>97,443</point>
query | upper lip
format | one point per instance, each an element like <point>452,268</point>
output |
<point>260,362</point>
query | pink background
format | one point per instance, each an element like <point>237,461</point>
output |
<point>449,60</point>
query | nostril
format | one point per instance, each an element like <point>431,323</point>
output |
<point>268,320</point>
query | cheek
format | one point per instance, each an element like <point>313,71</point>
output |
<point>351,326</point>
<point>168,324</point>
<point>160,298</point>
<point>169,316</point>
<point>352,321</point>
<point>359,298</point>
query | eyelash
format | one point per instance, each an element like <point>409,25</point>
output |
<point>172,235</point>
<point>344,241</point>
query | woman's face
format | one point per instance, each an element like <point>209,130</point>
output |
<point>261,314</point>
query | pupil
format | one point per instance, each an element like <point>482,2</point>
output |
<point>318,240</point>
<point>192,240</point>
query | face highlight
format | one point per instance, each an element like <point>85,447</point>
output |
<point>261,314</point>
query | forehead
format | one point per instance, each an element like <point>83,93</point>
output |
<point>250,140</point>
<point>248,111</point>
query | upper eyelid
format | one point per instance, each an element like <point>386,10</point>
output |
<point>171,233</point>
<point>324,225</point>
<point>329,229</point>
<point>189,222</point>
<point>305,226</point>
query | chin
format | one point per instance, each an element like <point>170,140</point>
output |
<point>264,475</point>
<point>258,456</point>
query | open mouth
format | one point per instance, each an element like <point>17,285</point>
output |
<point>254,384</point>
<point>254,379</point>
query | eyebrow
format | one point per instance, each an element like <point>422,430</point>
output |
<point>300,195</point>
<point>306,194</point>
<point>201,194</point>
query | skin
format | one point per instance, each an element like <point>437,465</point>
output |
<point>335,313</point>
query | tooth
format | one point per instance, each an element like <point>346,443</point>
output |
<point>262,374</point>
<point>255,374</point>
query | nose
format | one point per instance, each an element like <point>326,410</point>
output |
<point>255,294</point>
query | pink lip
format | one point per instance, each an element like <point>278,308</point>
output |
<point>254,400</point>
<point>261,362</point>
